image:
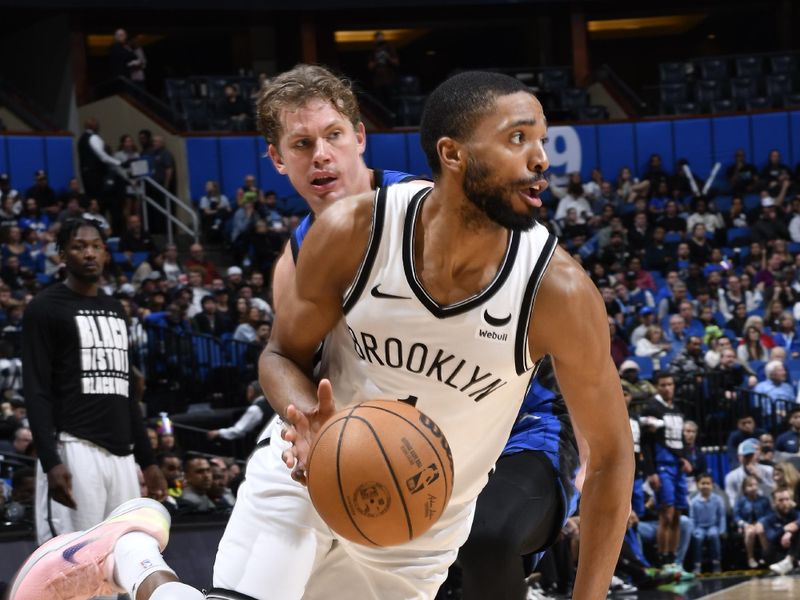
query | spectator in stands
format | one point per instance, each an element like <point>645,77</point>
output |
<point>794,220</point>
<point>32,217</point>
<point>748,452</point>
<point>619,346</point>
<point>197,258</point>
<point>630,188</point>
<point>769,227</point>
<point>655,173</point>
<point>14,245</point>
<point>246,330</point>
<point>707,510</point>
<point>264,246</point>
<point>20,441</point>
<point>699,248</point>
<point>786,334</point>
<point>44,195</point>
<point>752,348</point>
<point>145,137</point>
<point>694,455</point>
<point>737,215</point>
<point>215,210</point>
<point>729,375</point>
<point>750,507</point>
<point>134,238</point>
<point>774,387</point>
<point>789,441</point>
<point>126,153</point>
<point>197,482</point>
<point>777,529</point>
<point>199,291</point>
<point>658,200</point>
<point>210,321</point>
<point>767,449</point>
<point>152,264</point>
<point>97,168</point>
<point>653,343</point>
<point>123,59</point>
<point>162,163</point>
<point>234,108</point>
<point>786,476</point>
<point>255,417</point>
<point>6,191</point>
<point>734,294</point>
<point>249,185</point>
<point>742,176</point>
<point>172,468</point>
<point>646,319</point>
<point>745,429</point>
<point>677,335</point>
<point>688,364</point>
<point>574,198</point>
<point>616,254</point>
<point>93,212</point>
<point>219,493</point>
<point>383,64</point>
<point>639,234</point>
<point>774,173</point>
<point>671,220</point>
<point>670,303</point>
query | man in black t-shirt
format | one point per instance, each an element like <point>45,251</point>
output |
<point>88,430</point>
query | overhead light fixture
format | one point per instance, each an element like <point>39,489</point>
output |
<point>366,37</point>
<point>643,26</point>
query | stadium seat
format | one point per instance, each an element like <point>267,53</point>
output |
<point>645,366</point>
<point>778,86</point>
<point>723,203</point>
<point>713,68</point>
<point>593,113</point>
<point>555,79</point>
<point>738,236</point>
<point>574,98</point>
<point>749,66</point>
<point>195,112</point>
<point>752,202</point>
<point>687,108</point>
<point>112,244</point>
<point>743,89</point>
<point>672,72</point>
<point>708,91</point>
<point>670,94</point>
<point>785,63</point>
<point>758,103</point>
<point>722,105</point>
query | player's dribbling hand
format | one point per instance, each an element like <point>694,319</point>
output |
<point>301,428</point>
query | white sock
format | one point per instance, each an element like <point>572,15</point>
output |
<point>136,557</point>
<point>175,590</point>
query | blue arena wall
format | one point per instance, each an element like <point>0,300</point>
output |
<point>609,146</point>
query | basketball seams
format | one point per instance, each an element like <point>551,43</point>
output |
<point>423,433</point>
<point>346,418</point>
<point>391,471</point>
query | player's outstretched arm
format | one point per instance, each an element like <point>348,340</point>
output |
<point>311,305</point>
<point>570,323</point>
<point>282,277</point>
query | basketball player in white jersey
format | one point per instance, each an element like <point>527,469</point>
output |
<point>400,283</point>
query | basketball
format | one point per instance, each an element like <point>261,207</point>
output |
<point>380,473</point>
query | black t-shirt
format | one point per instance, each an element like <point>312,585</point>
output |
<point>77,377</point>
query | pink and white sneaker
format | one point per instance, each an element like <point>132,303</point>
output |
<point>80,565</point>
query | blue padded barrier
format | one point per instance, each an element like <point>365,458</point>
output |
<point>238,157</point>
<point>693,142</point>
<point>654,137</point>
<point>730,134</point>
<point>615,143</point>
<point>794,137</point>
<point>417,163</point>
<point>4,156</point>
<point>770,131</point>
<point>25,156</point>
<point>387,151</point>
<point>203,157</point>
<point>58,158</point>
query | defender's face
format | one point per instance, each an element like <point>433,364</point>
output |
<point>506,161</point>
<point>320,151</point>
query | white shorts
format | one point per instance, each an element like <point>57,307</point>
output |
<point>276,546</point>
<point>101,481</point>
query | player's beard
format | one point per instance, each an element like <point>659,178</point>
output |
<point>491,197</point>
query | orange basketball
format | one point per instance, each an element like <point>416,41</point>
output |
<point>380,473</point>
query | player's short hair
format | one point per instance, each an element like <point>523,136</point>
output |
<point>454,108</point>
<point>295,88</point>
<point>70,227</point>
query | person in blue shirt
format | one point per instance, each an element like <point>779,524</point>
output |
<point>789,441</point>
<point>750,507</point>
<point>776,529</point>
<point>707,510</point>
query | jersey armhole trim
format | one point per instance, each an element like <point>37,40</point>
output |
<point>521,352</point>
<point>375,235</point>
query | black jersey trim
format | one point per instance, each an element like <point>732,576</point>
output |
<point>375,235</point>
<point>521,340</point>
<point>438,310</point>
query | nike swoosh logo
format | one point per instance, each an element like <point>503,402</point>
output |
<point>376,293</point>
<point>70,552</point>
<point>494,321</point>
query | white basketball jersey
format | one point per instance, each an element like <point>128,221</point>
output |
<point>466,365</point>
